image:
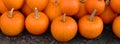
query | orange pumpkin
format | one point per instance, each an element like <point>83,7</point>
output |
<point>12,23</point>
<point>82,10</point>
<point>116,26</point>
<point>37,23</point>
<point>53,10</point>
<point>115,5</point>
<point>63,28</point>
<point>40,4</point>
<point>90,27</point>
<point>70,7</point>
<point>108,15</point>
<point>26,10</point>
<point>99,5</point>
<point>16,4</point>
<point>2,7</point>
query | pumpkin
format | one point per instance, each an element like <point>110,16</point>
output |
<point>26,10</point>
<point>70,7</point>
<point>108,15</point>
<point>90,26</point>
<point>115,5</point>
<point>116,26</point>
<point>53,10</point>
<point>2,7</point>
<point>40,4</point>
<point>63,28</point>
<point>36,23</point>
<point>99,5</point>
<point>12,23</point>
<point>82,10</point>
<point>16,4</point>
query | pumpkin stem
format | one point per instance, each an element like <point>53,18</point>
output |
<point>92,15</point>
<point>10,13</point>
<point>82,1</point>
<point>36,13</point>
<point>56,2</point>
<point>107,2</point>
<point>63,18</point>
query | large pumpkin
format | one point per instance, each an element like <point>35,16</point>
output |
<point>2,7</point>
<point>82,10</point>
<point>115,5</point>
<point>63,28</point>
<point>90,26</point>
<point>37,23</point>
<point>12,23</point>
<point>70,7</point>
<point>99,5</point>
<point>53,10</point>
<point>16,4</point>
<point>26,10</point>
<point>40,4</point>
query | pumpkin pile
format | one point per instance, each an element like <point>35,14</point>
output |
<point>64,17</point>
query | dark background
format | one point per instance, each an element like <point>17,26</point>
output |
<point>107,37</point>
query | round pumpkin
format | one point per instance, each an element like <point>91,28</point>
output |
<point>40,4</point>
<point>115,5</point>
<point>82,10</point>
<point>63,28</point>
<point>12,23</point>
<point>116,26</point>
<point>2,7</point>
<point>99,5</point>
<point>37,23</point>
<point>108,15</point>
<point>53,10</point>
<point>16,4</point>
<point>26,10</point>
<point>90,26</point>
<point>70,7</point>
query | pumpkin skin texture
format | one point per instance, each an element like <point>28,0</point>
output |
<point>63,31</point>
<point>99,5</point>
<point>26,10</point>
<point>37,26</point>
<point>70,7</point>
<point>116,26</point>
<point>115,5</point>
<point>16,4</point>
<point>90,29</point>
<point>82,11</point>
<point>2,7</point>
<point>108,15</point>
<point>12,26</point>
<point>53,10</point>
<point>40,4</point>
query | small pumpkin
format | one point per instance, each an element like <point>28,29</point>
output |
<point>26,10</point>
<point>90,26</point>
<point>63,28</point>
<point>99,5</point>
<point>70,7</point>
<point>40,4</point>
<point>82,10</point>
<point>115,5</point>
<point>108,15</point>
<point>12,23</point>
<point>53,10</point>
<point>16,4</point>
<point>116,26</point>
<point>2,7</point>
<point>37,23</point>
